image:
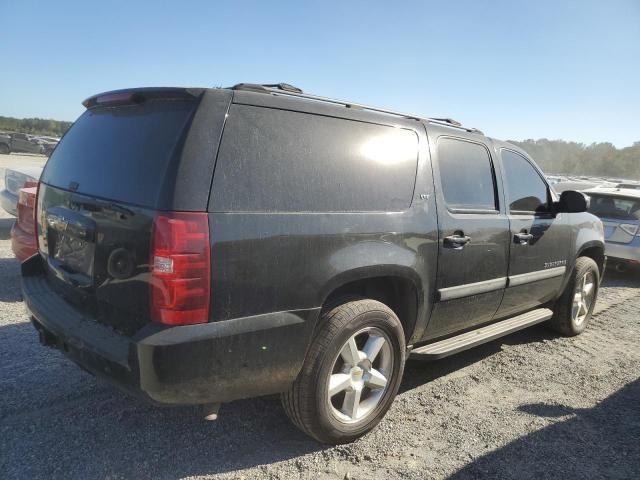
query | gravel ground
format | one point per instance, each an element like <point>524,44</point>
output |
<point>529,406</point>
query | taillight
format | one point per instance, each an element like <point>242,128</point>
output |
<point>180,268</point>
<point>629,229</point>
<point>26,198</point>
<point>37,206</point>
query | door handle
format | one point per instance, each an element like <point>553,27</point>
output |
<point>523,238</point>
<point>456,241</point>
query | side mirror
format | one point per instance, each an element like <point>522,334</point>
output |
<point>572,202</point>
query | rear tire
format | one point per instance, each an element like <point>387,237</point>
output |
<point>575,307</point>
<point>4,149</point>
<point>351,374</point>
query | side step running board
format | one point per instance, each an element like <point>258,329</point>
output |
<point>467,340</point>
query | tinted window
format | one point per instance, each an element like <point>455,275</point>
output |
<point>121,153</point>
<point>277,160</point>
<point>618,208</point>
<point>526,191</point>
<point>466,175</point>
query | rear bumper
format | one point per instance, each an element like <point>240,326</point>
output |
<point>9,202</point>
<point>195,364</point>
<point>23,243</point>
<point>627,252</point>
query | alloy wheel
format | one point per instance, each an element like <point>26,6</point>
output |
<point>360,375</point>
<point>583,298</point>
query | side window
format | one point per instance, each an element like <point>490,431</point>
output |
<point>526,191</point>
<point>466,174</point>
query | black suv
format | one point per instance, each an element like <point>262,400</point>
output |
<point>198,246</point>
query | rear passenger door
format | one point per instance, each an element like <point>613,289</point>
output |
<point>473,235</point>
<point>539,238</point>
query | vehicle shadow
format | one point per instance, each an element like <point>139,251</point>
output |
<point>628,278</point>
<point>418,372</point>
<point>5,228</point>
<point>10,285</point>
<point>598,442</point>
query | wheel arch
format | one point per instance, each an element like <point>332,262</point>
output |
<point>399,288</point>
<point>596,251</point>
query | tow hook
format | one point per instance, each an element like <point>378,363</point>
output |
<point>211,411</point>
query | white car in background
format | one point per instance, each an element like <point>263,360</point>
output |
<point>16,178</point>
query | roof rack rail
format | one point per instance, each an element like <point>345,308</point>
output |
<point>447,120</point>
<point>290,90</point>
<point>277,89</point>
<point>267,87</point>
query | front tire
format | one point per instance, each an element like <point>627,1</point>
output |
<point>575,307</point>
<point>351,374</point>
<point>4,149</point>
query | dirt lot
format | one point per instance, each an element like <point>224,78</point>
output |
<point>528,406</point>
<point>17,160</point>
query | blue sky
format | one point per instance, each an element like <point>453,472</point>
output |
<point>515,69</point>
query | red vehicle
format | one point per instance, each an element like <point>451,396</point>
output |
<point>23,239</point>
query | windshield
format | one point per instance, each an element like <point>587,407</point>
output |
<point>620,208</point>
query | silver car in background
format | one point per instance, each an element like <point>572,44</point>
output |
<point>619,210</point>
<point>14,179</point>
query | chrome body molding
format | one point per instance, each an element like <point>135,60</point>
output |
<point>515,280</point>
<point>469,289</point>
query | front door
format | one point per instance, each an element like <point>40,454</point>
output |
<point>473,235</point>
<point>539,238</point>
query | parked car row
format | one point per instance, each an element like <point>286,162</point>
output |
<point>25,143</point>
<point>563,183</point>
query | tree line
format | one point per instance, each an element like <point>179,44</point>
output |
<point>596,159</point>
<point>34,126</point>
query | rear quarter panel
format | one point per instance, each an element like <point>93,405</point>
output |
<point>281,261</point>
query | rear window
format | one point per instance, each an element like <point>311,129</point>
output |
<point>124,153</point>
<point>282,161</point>
<point>615,207</point>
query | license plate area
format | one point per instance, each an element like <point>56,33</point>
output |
<point>71,242</point>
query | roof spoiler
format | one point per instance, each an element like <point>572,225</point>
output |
<point>133,96</point>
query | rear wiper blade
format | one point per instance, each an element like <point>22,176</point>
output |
<point>94,205</point>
